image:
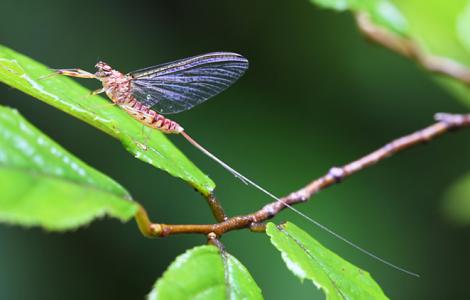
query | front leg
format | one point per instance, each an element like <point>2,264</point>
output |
<point>69,72</point>
<point>75,73</point>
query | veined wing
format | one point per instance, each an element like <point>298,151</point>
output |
<point>180,85</point>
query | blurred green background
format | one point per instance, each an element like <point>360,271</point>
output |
<point>316,95</point>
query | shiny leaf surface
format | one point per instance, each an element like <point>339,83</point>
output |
<point>308,259</point>
<point>205,273</point>
<point>41,184</point>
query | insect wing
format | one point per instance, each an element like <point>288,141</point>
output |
<point>180,85</point>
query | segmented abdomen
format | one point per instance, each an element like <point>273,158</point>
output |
<point>150,117</point>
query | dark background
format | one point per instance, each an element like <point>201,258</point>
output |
<point>316,95</point>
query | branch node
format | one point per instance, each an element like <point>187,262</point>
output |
<point>451,120</point>
<point>337,173</point>
<point>302,195</point>
<point>159,230</point>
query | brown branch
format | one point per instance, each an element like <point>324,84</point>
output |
<point>410,49</point>
<point>445,123</point>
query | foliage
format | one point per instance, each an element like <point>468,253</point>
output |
<point>308,259</point>
<point>76,193</point>
<point>204,272</point>
<point>44,185</point>
<point>31,164</point>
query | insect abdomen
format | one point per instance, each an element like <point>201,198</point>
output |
<point>151,118</point>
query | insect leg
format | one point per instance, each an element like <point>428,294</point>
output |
<point>74,73</point>
<point>95,92</point>
<point>98,91</point>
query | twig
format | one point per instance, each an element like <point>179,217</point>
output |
<point>445,123</point>
<point>410,49</point>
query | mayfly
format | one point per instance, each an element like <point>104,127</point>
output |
<point>170,88</point>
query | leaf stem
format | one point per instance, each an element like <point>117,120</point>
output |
<point>216,207</point>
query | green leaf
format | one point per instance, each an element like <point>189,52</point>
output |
<point>41,184</point>
<point>457,201</point>
<point>463,27</point>
<point>308,259</point>
<point>438,28</point>
<point>433,26</point>
<point>333,4</point>
<point>150,146</point>
<point>205,273</point>
<point>382,12</point>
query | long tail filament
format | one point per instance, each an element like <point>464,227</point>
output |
<point>247,181</point>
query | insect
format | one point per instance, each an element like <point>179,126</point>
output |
<point>149,94</point>
<point>170,88</point>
